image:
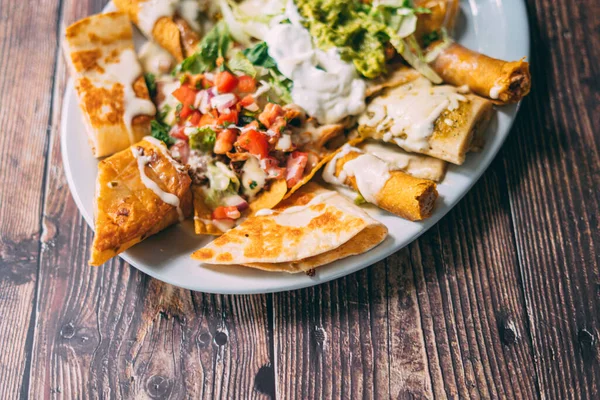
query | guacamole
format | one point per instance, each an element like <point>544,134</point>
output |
<point>347,26</point>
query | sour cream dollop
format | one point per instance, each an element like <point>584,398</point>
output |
<point>325,86</point>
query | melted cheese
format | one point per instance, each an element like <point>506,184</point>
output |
<point>252,172</point>
<point>371,173</point>
<point>155,59</point>
<point>169,198</point>
<point>410,112</point>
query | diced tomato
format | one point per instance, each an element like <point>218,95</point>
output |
<point>185,94</point>
<point>206,83</point>
<point>226,82</point>
<point>272,168</point>
<point>207,119</point>
<point>270,114</point>
<point>246,84</point>
<point>247,100</point>
<point>182,149</point>
<point>222,212</point>
<point>225,140</point>
<point>295,168</point>
<point>255,142</point>
<point>195,118</point>
<point>231,118</point>
<point>185,112</point>
<point>177,133</point>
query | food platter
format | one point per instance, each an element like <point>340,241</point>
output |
<point>498,29</point>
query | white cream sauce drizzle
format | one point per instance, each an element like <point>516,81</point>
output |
<point>189,10</point>
<point>155,59</point>
<point>408,113</point>
<point>325,86</point>
<point>371,173</point>
<point>151,11</point>
<point>126,71</point>
<point>169,198</point>
<point>495,91</point>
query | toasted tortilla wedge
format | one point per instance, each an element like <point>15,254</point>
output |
<point>390,115</point>
<point>110,87</point>
<point>313,227</point>
<point>131,190</point>
<point>159,22</point>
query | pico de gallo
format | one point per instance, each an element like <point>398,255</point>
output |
<point>233,125</point>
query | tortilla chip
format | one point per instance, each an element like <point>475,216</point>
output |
<point>271,197</point>
<point>321,222</point>
<point>202,214</point>
<point>127,211</point>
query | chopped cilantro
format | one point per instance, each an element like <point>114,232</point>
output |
<point>259,55</point>
<point>150,83</point>
<point>203,139</point>
<point>160,131</point>
<point>253,184</point>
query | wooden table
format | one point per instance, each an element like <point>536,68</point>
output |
<point>500,300</point>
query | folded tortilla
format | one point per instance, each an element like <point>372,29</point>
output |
<point>158,21</point>
<point>438,121</point>
<point>381,183</point>
<point>312,228</point>
<point>109,83</point>
<point>139,192</point>
<point>414,164</point>
<point>502,81</point>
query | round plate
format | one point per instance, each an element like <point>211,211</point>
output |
<point>496,28</point>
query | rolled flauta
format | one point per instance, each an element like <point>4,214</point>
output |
<point>438,121</point>
<point>502,81</point>
<point>159,21</point>
<point>394,191</point>
<point>417,165</point>
<point>443,15</point>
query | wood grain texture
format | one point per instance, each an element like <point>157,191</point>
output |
<point>443,318</point>
<point>113,332</point>
<point>27,55</point>
<point>500,300</point>
<point>553,180</point>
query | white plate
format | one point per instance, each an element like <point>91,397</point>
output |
<point>496,28</point>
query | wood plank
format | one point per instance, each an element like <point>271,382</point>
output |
<point>27,56</point>
<point>113,332</point>
<point>442,318</point>
<point>553,181</point>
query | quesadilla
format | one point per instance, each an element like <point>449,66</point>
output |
<point>312,228</point>
<point>161,22</point>
<point>110,87</point>
<point>381,183</point>
<point>437,121</point>
<point>139,192</point>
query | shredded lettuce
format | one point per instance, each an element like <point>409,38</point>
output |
<point>240,63</point>
<point>215,44</point>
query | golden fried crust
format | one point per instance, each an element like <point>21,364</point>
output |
<point>126,210</point>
